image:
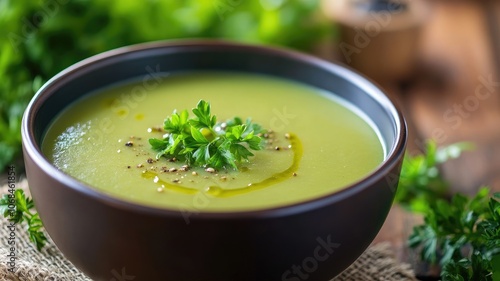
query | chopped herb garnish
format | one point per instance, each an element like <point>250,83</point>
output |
<point>203,142</point>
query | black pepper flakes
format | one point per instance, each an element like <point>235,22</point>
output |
<point>150,160</point>
<point>129,143</point>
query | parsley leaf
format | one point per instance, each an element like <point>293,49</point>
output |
<point>22,212</point>
<point>203,142</point>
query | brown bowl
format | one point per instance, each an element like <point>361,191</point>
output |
<point>312,240</point>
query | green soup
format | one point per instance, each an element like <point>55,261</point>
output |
<point>320,143</point>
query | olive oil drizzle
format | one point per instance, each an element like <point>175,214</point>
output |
<point>167,185</point>
<point>217,191</point>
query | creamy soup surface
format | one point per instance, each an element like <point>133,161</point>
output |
<point>320,143</point>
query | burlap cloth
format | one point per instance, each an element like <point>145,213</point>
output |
<point>376,263</point>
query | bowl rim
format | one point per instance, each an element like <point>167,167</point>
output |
<point>367,86</point>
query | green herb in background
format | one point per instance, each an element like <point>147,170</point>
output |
<point>21,213</point>
<point>461,234</point>
<point>202,142</point>
<point>420,182</point>
<point>40,38</point>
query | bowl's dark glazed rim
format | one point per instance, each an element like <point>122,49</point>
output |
<point>380,173</point>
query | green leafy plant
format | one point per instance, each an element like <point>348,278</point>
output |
<point>201,141</point>
<point>22,213</point>
<point>421,182</point>
<point>461,234</point>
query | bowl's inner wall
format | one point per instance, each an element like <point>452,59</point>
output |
<point>125,66</point>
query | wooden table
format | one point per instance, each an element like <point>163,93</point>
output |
<point>447,98</point>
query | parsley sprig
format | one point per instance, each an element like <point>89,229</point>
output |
<point>22,212</point>
<point>421,181</point>
<point>461,233</point>
<point>201,141</point>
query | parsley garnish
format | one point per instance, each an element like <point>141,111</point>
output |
<point>201,141</point>
<point>21,212</point>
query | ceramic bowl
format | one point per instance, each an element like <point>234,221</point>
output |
<point>110,239</point>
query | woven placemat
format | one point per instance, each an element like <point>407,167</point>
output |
<point>376,263</point>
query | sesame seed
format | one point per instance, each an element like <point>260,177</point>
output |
<point>172,170</point>
<point>210,170</point>
<point>159,189</point>
<point>150,160</point>
<point>194,173</point>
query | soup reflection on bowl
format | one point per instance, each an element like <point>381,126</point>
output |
<point>304,207</point>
